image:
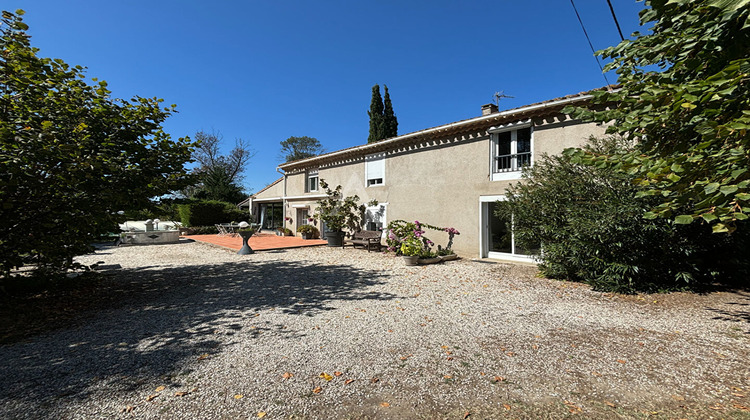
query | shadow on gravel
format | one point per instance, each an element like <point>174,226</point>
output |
<point>739,312</point>
<point>154,321</point>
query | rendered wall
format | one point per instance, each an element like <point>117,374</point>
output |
<point>440,182</point>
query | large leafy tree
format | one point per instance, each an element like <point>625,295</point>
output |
<point>296,148</point>
<point>71,156</point>
<point>684,96</point>
<point>219,176</point>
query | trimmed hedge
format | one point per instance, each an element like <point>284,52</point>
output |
<point>210,212</point>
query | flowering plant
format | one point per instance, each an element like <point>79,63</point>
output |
<point>411,247</point>
<point>288,219</point>
<point>400,232</point>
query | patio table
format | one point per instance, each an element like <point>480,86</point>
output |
<point>228,229</point>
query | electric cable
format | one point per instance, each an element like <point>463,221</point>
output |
<point>590,44</point>
<point>612,9</point>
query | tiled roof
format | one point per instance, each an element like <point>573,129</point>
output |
<point>548,107</point>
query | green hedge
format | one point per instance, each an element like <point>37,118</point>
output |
<point>210,212</point>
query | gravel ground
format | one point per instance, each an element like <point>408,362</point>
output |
<point>191,331</point>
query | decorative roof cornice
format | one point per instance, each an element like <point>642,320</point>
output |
<point>545,108</point>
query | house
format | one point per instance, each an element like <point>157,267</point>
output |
<point>449,176</point>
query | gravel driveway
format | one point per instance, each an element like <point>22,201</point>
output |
<point>192,331</point>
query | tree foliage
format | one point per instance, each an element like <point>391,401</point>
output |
<point>684,97</point>
<point>296,148</point>
<point>390,122</point>
<point>376,116</point>
<point>219,177</point>
<point>71,156</point>
<point>591,228</point>
<point>383,121</point>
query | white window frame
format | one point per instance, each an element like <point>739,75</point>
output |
<point>484,240</point>
<point>495,144</point>
<point>370,161</point>
<point>309,175</point>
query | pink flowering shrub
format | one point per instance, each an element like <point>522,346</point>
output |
<point>400,231</point>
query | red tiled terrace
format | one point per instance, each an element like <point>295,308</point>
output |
<point>258,242</point>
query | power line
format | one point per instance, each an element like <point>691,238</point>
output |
<point>612,9</point>
<point>590,44</point>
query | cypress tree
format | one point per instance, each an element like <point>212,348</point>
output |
<point>390,122</point>
<point>376,116</point>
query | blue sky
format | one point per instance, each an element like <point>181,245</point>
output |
<point>267,70</point>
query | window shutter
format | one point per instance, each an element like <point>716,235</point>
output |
<point>375,166</point>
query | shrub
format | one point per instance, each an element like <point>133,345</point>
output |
<point>209,212</point>
<point>309,230</point>
<point>591,227</point>
<point>400,231</point>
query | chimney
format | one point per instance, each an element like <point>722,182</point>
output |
<point>488,109</point>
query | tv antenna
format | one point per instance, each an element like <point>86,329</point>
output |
<point>500,95</point>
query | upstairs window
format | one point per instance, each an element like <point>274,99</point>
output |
<point>311,181</point>
<point>511,150</point>
<point>375,170</point>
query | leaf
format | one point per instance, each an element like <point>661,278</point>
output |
<point>238,396</point>
<point>374,380</point>
<point>506,406</point>
<point>728,189</point>
<point>261,414</point>
<point>287,375</point>
<point>610,404</point>
<point>326,376</point>
<point>202,356</point>
<point>151,397</point>
<point>160,388</point>
<point>385,404</point>
<point>180,393</point>
<point>621,361</point>
<point>683,219</point>
<point>337,373</point>
<point>348,381</point>
<point>498,379</point>
<point>317,390</point>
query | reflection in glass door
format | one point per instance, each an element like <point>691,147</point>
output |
<point>498,239</point>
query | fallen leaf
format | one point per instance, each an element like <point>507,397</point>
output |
<point>202,356</point>
<point>740,407</point>
<point>287,375</point>
<point>348,381</point>
<point>448,358</point>
<point>385,404</point>
<point>716,407</point>
<point>337,373</point>
<point>535,347</point>
<point>238,396</point>
<point>317,390</point>
<point>261,414</point>
<point>482,373</point>
<point>621,361</point>
<point>597,374</point>
<point>572,407</point>
<point>160,388</point>
<point>373,380</point>
<point>610,404</point>
<point>506,406</point>
<point>678,398</point>
<point>737,394</point>
<point>510,353</point>
<point>326,376</point>
<point>404,358</point>
<point>447,376</point>
<point>127,409</point>
<point>151,397</point>
<point>498,379</point>
<point>180,393</point>
<point>466,415</point>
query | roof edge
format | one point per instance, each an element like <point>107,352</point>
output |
<point>507,113</point>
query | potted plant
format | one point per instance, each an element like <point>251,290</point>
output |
<point>308,231</point>
<point>338,212</point>
<point>411,249</point>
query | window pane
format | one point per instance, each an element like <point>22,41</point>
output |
<point>499,235</point>
<point>523,139</point>
<point>503,143</point>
